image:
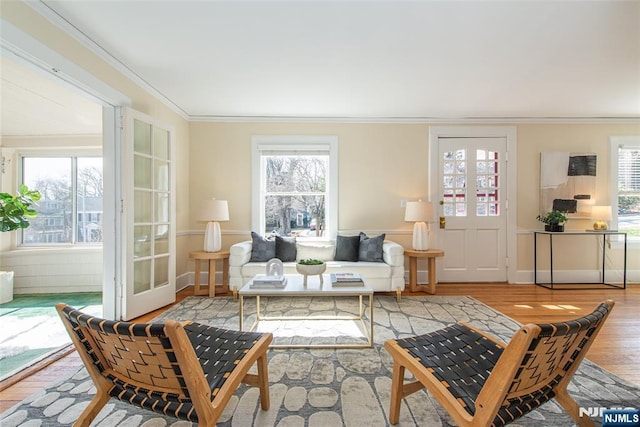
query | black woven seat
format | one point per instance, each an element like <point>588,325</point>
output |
<point>484,382</point>
<point>188,370</point>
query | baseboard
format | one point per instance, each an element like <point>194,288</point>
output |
<point>586,276</point>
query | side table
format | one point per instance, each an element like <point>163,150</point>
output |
<point>430,255</point>
<point>212,257</point>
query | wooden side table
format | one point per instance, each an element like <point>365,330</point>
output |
<point>430,255</point>
<point>212,257</point>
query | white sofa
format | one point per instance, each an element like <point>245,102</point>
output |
<point>384,276</point>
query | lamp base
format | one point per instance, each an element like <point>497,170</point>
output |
<point>600,226</point>
<point>212,237</point>
<point>420,236</point>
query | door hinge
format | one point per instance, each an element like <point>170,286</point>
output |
<point>121,206</point>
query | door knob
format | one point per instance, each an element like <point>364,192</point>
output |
<point>443,222</point>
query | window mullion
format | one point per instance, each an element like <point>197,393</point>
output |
<point>74,200</point>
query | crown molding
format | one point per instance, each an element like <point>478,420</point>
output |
<point>58,21</point>
<point>416,120</point>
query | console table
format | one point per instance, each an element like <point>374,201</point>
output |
<point>572,234</point>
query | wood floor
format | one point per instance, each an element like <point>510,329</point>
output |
<point>616,349</point>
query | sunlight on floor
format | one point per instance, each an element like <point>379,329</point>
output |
<point>312,328</point>
<point>31,329</point>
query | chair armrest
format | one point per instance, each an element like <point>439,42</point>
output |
<point>240,253</point>
<point>393,253</point>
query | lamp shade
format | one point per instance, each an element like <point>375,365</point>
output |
<point>419,212</point>
<point>602,213</point>
<point>213,210</point>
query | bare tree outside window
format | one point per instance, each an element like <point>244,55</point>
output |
<point>70,210</point>
<point>295,193</point>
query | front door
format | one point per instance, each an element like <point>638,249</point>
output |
<point>471,195</point>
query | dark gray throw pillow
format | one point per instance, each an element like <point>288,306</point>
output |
<point>286,248</point>
<point>347,248</point>
<point>371,248</point>
<point>262,249</point>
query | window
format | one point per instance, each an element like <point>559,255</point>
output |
<point>70,210</point>
<point>625,181</point>
<point>295,181</point>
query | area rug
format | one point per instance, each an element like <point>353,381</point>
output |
<point>326,387</point>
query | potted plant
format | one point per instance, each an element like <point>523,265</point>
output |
<point>15,212</point>
<point>553,220</point>
<point>310,267</point>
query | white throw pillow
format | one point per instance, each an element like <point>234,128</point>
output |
<point>321,251</point>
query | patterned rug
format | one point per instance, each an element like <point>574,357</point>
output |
<point>322,387</point>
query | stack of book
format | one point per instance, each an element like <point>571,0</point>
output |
<point>346,279</point>
<point>269,282</point>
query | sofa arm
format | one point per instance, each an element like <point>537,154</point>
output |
<point>240,254</point>
<point>393,254</point>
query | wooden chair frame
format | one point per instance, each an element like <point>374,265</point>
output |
<point>509,380</point>
<point>164,373</point>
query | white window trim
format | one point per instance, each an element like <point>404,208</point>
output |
<point>328,143</point>
<point>614,143</point>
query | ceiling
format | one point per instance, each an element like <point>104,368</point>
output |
<point>35,104</point>
<point>372,59</point>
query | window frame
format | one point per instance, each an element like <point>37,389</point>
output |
<point>65,154</point>
<point>287,143</point>
<point>616,142</point>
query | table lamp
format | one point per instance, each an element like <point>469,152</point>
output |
<point>601,214</point>
<point>212,211</point>
<point>420,213</point>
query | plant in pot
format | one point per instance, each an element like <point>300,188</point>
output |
<point>553,220</point>
<point>311,267</point>
<point>15,213</point>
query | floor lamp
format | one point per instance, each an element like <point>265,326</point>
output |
<point>212,211</point>
<point>420,213</point>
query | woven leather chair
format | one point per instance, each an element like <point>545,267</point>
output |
<point>186,370</point>
<point>482,382</point>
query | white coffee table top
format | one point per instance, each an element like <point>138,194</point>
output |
<point>296,287</point>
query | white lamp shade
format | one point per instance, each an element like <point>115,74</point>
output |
<point>419,212</point>
<point>213,210</point>
<point>602,213</point>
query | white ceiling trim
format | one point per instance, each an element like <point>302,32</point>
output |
<point>28,50</point>
<point>418,120</point>
<point>82,38</point>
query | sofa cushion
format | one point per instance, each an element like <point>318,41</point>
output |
<point>315,250</point>
<point>371,248</point>
<point>262,249</point>
<point>347,248</point>
<point>286,248</point>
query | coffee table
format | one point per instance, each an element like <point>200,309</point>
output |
<point>295,288</point>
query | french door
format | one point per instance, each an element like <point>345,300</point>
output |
<point>471,189</point>
<point>148,215</point>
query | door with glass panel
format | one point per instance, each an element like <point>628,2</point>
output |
<point>148,215</point>
<point>471,195</point>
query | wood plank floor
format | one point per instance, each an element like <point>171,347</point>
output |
<point>616,349</point>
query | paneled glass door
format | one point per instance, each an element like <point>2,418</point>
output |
<point>149,208</point>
